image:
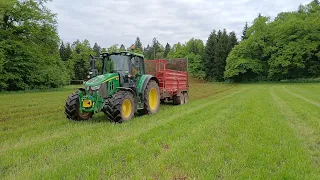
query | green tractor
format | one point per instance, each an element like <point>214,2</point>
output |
<point>120,89</point>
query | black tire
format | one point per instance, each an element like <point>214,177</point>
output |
<point>186,97</point>
<point>72,109</point>
<point>114,106</point>
<point>177,100</point>
<point>148,107</point>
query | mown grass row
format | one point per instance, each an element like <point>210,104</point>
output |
<point>226,131</point>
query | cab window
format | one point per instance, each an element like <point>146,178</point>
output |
<point>141,65</point>
<point>137,68</point>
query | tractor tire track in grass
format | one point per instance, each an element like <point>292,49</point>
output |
<point>148,141</point>
<point>224,132</point>
<point>224,146</point>
<point>126,137</point>
<point>311,92</point>
<point>301,97</point>
<point>62,131</point>
<point>161,153</point>
<point>208,92</point>
<point>306,133</point>
<point>174,167</point>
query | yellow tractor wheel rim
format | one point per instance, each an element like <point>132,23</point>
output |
<point>126,108</point>
<point>153,99</point>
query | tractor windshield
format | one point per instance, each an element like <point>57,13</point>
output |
<point>119,63</point>
<point>115,63</point>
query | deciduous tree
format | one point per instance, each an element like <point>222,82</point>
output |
<point>29,43</point>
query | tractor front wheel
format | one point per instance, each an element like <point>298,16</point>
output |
<point>72,108</point>
<point>120,107</point>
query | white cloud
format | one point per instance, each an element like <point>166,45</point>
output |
<point>109,22</point>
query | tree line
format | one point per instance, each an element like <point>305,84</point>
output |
<point>76,55</point>
<point>33,57</point>
<point>286,48</point>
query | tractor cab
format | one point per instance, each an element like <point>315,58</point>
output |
<point>129,66</point>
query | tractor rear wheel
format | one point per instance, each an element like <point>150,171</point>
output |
<point>120,107</point>
<point>151,98</point>
<point>72,108</point>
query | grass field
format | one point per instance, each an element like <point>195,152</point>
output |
<point>261,131</point>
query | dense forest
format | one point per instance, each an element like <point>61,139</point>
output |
<point>32,56</point>
<point>286,48</point>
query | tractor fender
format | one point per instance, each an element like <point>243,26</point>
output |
<point>81,89</point>
<point>127,89</point>
<point>143,82</point>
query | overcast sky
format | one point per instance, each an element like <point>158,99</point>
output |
<point>109,22</point>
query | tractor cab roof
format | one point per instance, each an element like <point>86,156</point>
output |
<point>127,53</point>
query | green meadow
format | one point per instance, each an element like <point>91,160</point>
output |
<point>226,131</point>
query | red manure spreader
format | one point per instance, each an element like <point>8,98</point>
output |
<point>173,78</point>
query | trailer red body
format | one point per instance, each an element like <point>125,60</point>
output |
<point>173,84</point>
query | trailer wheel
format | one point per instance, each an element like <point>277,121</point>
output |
<point>72,108</point>
<point>151,98</point>
<point>178,99</point>
<point>120,107</point>
<point>186,98</point>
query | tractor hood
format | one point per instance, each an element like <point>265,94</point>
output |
<point>101,79</point>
